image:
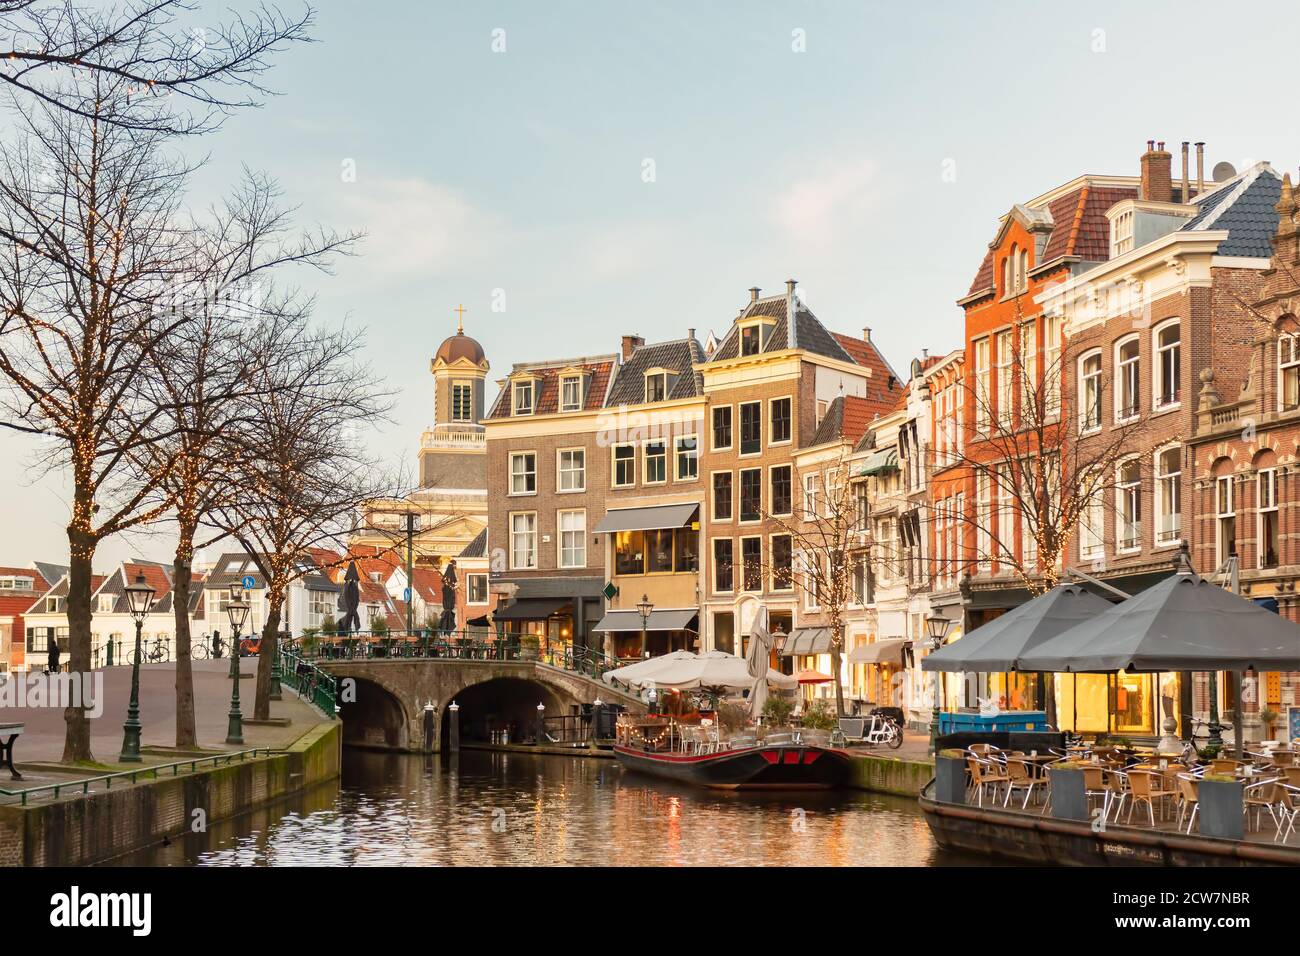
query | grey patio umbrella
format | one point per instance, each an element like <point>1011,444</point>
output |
<point>350,600</point>
<point>756,659</point>
<point>998,645</point>
<point>1184,623</point>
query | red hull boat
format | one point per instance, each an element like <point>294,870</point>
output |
<point>778,767</point>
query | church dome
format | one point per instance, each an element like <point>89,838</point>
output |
<point>460,346</point>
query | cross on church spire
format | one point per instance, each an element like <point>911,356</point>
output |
<point>460,311</point>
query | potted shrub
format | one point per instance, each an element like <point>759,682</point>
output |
<point>777,711</point>
<point>529,646</point>
<point>1268,717</point>
<point>950,776</point>
<point>819,717</point>
<point>1222,803</point>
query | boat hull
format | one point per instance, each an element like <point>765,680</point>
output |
<point>1032,838</point>
<point>756,768</point>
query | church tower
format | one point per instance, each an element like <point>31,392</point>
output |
<point>453,454</point>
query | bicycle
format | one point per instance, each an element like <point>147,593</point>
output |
<point>1191,753</point>
<point>155,653</point>
<point>199,651</point>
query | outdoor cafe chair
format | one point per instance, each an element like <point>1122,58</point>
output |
<point>1117,790</point>
<point>986,775</point>
<point>983,750</point>
<point>1261,796</point>
<point>1283,758</point>
<point>1288,809</point>
<point>1146,788</point>
<point>1292,776</point>
<point>1019,777</point>
<point>1225,765</point>
<point>1188,799</point>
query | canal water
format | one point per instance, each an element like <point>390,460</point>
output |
<point>490,808</point>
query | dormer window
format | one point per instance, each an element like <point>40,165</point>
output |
<point>571,393</point>
<point>751,340</point>
<point>106,603</point>
<point>1121,233</point>
<point>524,397</point>
<point>657,383</point>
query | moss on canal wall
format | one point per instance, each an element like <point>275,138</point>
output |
<point>107,823</point>
<point>904,778</point>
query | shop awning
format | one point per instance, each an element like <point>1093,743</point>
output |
<point>888,651</point>
<point>530,609</point>
<point>807,640</point>
<point>645,519</point>
<point>665,620</point>
<point>881,462</point>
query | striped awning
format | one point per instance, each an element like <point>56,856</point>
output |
<point>888,651</point>
<point>807,640</point>
<point>881,462</point>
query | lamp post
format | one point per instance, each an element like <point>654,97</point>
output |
<point>645,607</point>
<point>237,611</point>
<point>139,598</point>
<point>410,525</point>
<point>937,628</point>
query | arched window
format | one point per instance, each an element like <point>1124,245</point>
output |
<point>1128,505</point>
<point>1090,391</point>
<point>1167,344</point>
<point>1024,270</point>
<point>1128,378</point>
<point>1225,511</point>
<point>1169,512</point>
<point>1266,489</point>
<point>1288,369</point>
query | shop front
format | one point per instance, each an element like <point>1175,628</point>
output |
<point>630,637</point>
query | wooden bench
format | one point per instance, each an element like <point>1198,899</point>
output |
<point>8,734</point>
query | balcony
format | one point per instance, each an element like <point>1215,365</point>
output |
<point>454,436</point>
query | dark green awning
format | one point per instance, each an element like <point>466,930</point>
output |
<point>881,462</point>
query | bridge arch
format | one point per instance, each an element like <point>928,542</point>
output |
<point>503,703</point>
<point>374,716</point>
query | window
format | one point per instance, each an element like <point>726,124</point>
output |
<point>779,429</point>
<point>476,588</point>
<point>1127,379</point>
<point>751,494</point>
<point>1268,514</point>
<point>688,458</point>
<point>462,402</point>
<point>659,550</point>
<point>523,539</point>
<point>1090,392</point>
<point>982,385</point>
<point>983,520</point>
<point>320,607</point>
<point>1168,507</point>
<point>751,558</point>
<point>1028,373</point>
<point>629,552</point>
<point>751,339</point>
<point>1121,233</point>
<point>17,584</point>
<point>723,579</point>
<point>782,493</point>
<point>1092,521</point>
<point>810,496</point>
<point>656,463</point>
<point>722,496</point>
<point>1005,377</point>
<point>523,392</point>
<point>570,393</point>
<point>751,428</point>
<point>1005,542</point>
<point>1225,519</point>
<point>1168,365</point>
<point>1128,494</point>
<point>656,386</point>
<point>1051,365</point>
<point>782,563</point>
<point>573,538</point>
<point>722,428</point>
<point>573,469</point>
<point>523,473</point>
<point>1288,371</point>
<point>624,466</point>
<point>686,550</point>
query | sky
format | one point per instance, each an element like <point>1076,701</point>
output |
<point>571,172</point>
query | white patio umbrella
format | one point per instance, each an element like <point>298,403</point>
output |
<point>646,670</point>
<point>683,670</point>
<point>760,649</point>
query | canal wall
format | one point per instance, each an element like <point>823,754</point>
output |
<point>904,778</point>
<point>98,826</point>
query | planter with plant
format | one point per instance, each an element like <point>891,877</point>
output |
<point>950,776</point>
<point>819,717</point>
<point>529,647</point>
<point>1268,717</point>
<point>1221,799</point>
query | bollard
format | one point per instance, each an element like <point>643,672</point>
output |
<point>453,728</point>
<point>428,726</point>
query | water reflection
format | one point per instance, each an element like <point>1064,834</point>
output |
<point>486,808</point>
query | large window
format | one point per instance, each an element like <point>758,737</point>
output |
<point>686,550</point>
<point>688,458</point>
<point>573,469</point>
<point>573,538</point>
<point>723,579</point>
<point>1128,378</point>
<point>656,463</point>
<point>982,385</point>
<point>462,402</point>
<point>751,428</point>
<point>1028,374</point>
<point>624,466</point>
<point>782,563</point>
<point>1092,521</point>
<point>1268,515</point>
<point>722,428</point>
<point>751,494</point>
<point>751,557</point>
<point>523,473</point>
<point>524,397</point>
<point>1090,391</point>
<point>1168,506</point>
<point>1288,371</point>
<point>1128,505</point>
<point>657,551</point>
<point>722,496</point>
<point>1051,365</point>
<point>629,552</point>
<point>810,495</point>
<point>523,540</point>
<point>570,393</point>
<point>780,426</point>
<point>1006,380</point>
<point>782,493</point>
<point>1225,519</point>
<point>1168,365</point>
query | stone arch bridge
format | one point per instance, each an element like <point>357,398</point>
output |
<point>390,695</point>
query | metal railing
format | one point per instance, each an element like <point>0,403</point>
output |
<point>153,772</point>
<point>301,675</point>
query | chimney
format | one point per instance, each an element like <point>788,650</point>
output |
<point>1185,194</point>
<point>866,333</point>
<point>789,288</point>
<point>753,294</point>
<point>925,355</point>
<point>1157,173</point>
<point>630,344</point>
<point>690,335</point>
<point>1200,168</point>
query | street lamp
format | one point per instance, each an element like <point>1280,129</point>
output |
<point>779,637</point>
<point>645,607</point>
<point>937,628</point>
<point>139,598</point>
<point>410,524</point>
<point>237,611</point>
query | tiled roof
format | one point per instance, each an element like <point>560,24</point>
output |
<point>847,417</point>
<point>1246,207</point>
<point>50,572</point>
<point>39,581</point>
<point>476,548</point>
<point>547,401</point>
<point>810,334</point>
<point>428,583</point>
<point>884,384</point>
<point>678,356</point>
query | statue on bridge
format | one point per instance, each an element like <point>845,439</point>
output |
<point>448,622</point>
<point>350,600</point>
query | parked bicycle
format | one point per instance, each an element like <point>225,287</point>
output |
<point>155,653</point>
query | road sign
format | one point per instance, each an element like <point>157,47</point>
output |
<point>406,595</point>
<point>610,591</point>
<point>249,582</point>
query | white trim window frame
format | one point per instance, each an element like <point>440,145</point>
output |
<point>571,538</point>
<point>625,463</point>
<point>1051,366</point>
<point>729,567</point>
<point>570,470</point>
<point>1267,519</point>
<point>1089,373</point>
<point>476,587</point>
<point>1168,495</point>
<point>523,473</point>
<point>756,443</point>
<point>571,393</point>
<point>1028,372</point>
<point>1128,506</point>
<point>1166,369</point>
<point>780,574</point>
<point>756,479</point>
<point>788,420</point>
<point>650,456</point>
<point>1092,522</point>
<point>462,408</point>
<point>715,498</point>
<point>1288,371</point>
<point>982,417</point>
<point>1225,518</point>
<point>1006,383</point>
<point>518,391</point>
<point>773,501</point>
<point>523,540</point>
<point>1128,378</point>
<point>984,520</point>
<point>728,427</point>
<point>688,455</point>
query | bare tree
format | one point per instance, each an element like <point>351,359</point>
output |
<point>302,475</point>
<point>177,76</point>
